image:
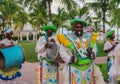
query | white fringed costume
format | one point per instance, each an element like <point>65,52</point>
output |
<point>115,68</point>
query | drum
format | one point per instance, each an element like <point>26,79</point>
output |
<point>11,56</point>
<point>52,53</point>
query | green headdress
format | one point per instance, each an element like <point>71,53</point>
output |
<point>50,26</point>
<point>110,33</point>
<point>77,19</point>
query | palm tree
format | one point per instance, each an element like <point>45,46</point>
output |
<point>20,19</point>
<point>115,15</point>
<point>9,10</point>
<point>70,4</point>
<point>101,6</point>
<point>49,7</point>
<point>38,17</point>
<point>60,18</point>
<point>13,13</point>
<point>81,12</point>
<point>115,21</point>
<point>95,21</point>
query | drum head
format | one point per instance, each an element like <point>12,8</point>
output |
<point>52,52</point>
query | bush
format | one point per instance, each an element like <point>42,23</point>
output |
<point>1,36</point>
<point>15,38</point>
<point>30,37</point>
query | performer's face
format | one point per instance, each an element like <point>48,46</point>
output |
<point>112,36</point>
<point>78,29</point>
<point>9,36</point>
<point>50,32</point>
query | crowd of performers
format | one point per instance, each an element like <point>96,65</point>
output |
<point>68,58</point>
<point>63,58</point>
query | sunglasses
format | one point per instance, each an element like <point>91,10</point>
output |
<point>79,27</point>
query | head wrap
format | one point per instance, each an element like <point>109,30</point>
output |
<point>78,20</point>
<point>7,30</point>
<point>50,26</point>
<point>110,33</point>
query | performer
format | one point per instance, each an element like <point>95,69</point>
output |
<point>82,70</point>
<point>109,46</point>
<point>8,75</point>
<point>114,70</point>
<point>42,43</point>
<point>46,47</point>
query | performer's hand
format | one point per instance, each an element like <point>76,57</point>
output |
<point>52,40</point>
<point>2,46</point>
<point>12,44</point>
<point>89,50</point>
<point>92,56</point>
<point>117,42</point>
<point>113,46</point>
<point>74,58</point>
<point>90,53</point>
<point>46,45</point>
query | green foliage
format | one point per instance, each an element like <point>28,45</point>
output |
<point>15,38</point>
<point>1,36</point>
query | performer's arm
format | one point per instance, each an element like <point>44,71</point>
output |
<point>108,46</point>
<point>90,53</point>
<point>65,54</point>
<point>108,50</point>
<point>2,45</point>
<point>40,46</point>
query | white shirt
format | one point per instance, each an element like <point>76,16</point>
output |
<point>107,46</point>
<point>7,42</point>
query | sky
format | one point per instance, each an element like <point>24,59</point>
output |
<point>55,5</point>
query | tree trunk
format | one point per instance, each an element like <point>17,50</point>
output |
<point>104,5</point>
<point>49,7</point>
<point>104,22</point>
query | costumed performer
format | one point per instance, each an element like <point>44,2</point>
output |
<point>9,75</point>
<point>109,46</point>
<point>82,70</point>
<point>49,49</point>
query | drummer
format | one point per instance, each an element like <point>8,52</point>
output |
<point>42,46</point>
<point>7,42</point>
<point>42,43</point>
<point>8,75</point>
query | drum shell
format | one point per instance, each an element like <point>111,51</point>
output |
<point>11,56</point>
